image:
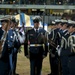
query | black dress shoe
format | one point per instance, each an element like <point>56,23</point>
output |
<point>49,74</point>
<point>16,74</point>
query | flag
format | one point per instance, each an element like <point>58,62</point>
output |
<point>28,21</point>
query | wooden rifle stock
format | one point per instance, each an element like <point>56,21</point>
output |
<point>52,43</point>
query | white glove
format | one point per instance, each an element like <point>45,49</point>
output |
<point>58,50</point>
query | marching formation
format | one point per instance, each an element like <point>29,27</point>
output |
<point>61,51</point>
<point>59,43</point>
<point>10,41</point>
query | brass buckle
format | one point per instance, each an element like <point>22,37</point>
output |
<point>35,44</point>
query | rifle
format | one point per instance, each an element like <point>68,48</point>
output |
<point>52,43</point>
<point>3,38</point>
<point>59,61</point>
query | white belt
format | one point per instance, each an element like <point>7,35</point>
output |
<point>35,45</point>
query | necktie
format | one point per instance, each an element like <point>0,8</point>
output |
<point>37,31</point>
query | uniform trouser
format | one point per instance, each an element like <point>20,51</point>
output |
<point>14,62</point>
<point>64,65</point>
<point>54,65</point>
<point>11,64</point>
<point>36,66</point>
<point>4,72</point>
<point>4,67</point>
<point>71,65</point>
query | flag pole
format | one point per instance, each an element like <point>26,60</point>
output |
<point>19,8</point>
<point>44,15</point>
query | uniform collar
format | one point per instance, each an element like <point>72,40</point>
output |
<point>72,33</point>
<point>36,29</point>
<point>65,30</point>
<point>3,30</point>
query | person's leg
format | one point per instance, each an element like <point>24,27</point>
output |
<point>64,65</point>
<point>50,63</point>
<point>71,65</point>
<point>39,66</point>
<point>32,67</point>
<point>15,62</point>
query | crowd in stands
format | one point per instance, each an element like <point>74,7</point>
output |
<point>39,2</point>
<point>15,12</point>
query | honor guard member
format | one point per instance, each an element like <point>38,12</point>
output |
<point>51,55</point>
<point>71,44</point>
<point>64,48</point>
<point>13,45</point>
<point>20,38</point>
<point>17,45</point>
<point>53,44</point>
<point>4,56</point>
<point>35,47</point>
